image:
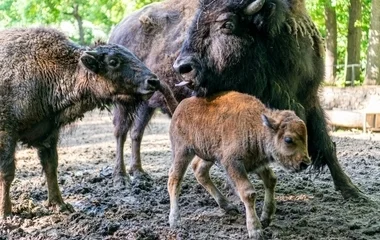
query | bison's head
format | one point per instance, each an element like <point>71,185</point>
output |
<point>117,73</point>
<point>288,140</point>
<point>229,43</point>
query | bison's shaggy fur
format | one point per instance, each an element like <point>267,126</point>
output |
<point>242,138</point>
<point>270,49</point>
<point>46,82</point>
<point>155,34</point>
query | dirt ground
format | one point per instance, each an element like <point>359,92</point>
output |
<point>308,207</point>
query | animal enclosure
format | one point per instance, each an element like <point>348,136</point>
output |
<point>308,207</point>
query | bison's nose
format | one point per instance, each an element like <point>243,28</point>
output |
<point>183,65</point>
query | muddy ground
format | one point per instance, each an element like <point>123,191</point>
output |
<point>308,207</point>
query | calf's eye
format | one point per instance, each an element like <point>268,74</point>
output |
<point>113,63</point>
<point>288,140</point>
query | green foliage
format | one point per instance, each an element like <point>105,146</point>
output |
<point>100,16</point>
<point>316,10</point>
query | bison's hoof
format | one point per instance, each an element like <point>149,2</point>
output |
<point>66,207</point>
<point>60,207</point>
<point>265,222</point>
<point>140,176</point>
<point>256,234</point>
<point>141,181</point>
<point>265,219</point>
<point>121,181</point>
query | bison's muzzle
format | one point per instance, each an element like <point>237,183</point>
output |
<point>149,86</point>
<point>187,68</point>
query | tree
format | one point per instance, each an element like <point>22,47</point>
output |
<point>354,41</point>
<point>83,16</point>
<point>372,75</point>
<point>331,42</point>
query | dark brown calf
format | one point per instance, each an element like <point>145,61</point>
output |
<point>47,82</point>
<point>243,138</point>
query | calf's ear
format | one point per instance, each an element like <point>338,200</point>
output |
<point>269,122</point>
<point>89,61</point>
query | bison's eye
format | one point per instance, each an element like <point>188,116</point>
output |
<point>113,62</point>
<point>288,140</point>
<point>229,26</point>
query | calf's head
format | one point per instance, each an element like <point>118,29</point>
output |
<point>289,139</point>
<point>118,73</point>
<point>227,43</point>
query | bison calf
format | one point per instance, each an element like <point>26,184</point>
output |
<point>242,138</point>
<point>46,82</point>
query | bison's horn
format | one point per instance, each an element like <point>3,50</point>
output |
<point>92,53</point>
<point>254,7</point>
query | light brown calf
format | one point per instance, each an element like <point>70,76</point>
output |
<point>239,132</point>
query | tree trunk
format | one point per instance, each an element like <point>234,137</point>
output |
<point>331,43</point>
<point>372,75</point>
<point>353,41</point>
<point>79,20</point>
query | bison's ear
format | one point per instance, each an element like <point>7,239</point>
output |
<point>269,122</point>
<point>89,61</point>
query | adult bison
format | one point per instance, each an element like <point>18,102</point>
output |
<point>267,48</point>
<point>155,34</point>
<point>46,82</point>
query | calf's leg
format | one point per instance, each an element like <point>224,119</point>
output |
<point>49,160</point>
<point>201,170</point>
<point>236,170</point>
<point>7,171</point>
<point>269,180</point>
<point>181,161</point>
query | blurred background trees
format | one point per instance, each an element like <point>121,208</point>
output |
<point>351,29</point>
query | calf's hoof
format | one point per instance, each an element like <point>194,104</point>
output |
<point>256,234</point>
<point>174,220</point>
<point>230,209</point>
<point>5,212</point>
<point>5,215</point>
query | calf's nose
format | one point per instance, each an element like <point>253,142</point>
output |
<point>305,163</point>
<point>303,166</point>
<point>153,83</point>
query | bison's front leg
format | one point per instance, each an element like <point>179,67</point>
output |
<point>269,180</point>
<point>142,119</point>
<point>236,171</point>
<point>323,151</point>
<point>49,159</point>
<point>201,170</point>
<point>7,171</point>
<point>122,124</point>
